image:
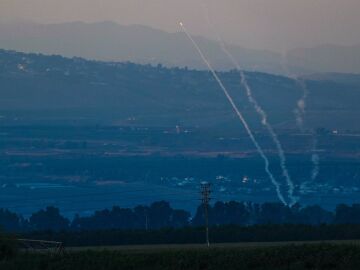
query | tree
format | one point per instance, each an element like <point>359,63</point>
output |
<point>199,218</point>
<point>347,214</point>
<point>229,213</point>
<point>160,215</point>
<point>10,221</point>
<point>275,213</point>
<point>179,219</point>
<point>315,215</point>
<point>48,219</point>
<point>142,217</point>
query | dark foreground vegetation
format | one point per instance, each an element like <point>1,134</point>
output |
<point>159,223</point>
<point>196,235</point>
<point>316,256</point>
<point>160,215</point>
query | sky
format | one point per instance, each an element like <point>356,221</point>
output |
<point>262,24</point>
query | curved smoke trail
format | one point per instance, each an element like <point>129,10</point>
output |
<point>239,114</point>
<point>300,112</point>
<point>259,110</point>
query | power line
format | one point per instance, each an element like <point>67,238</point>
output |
<point>205,198</point>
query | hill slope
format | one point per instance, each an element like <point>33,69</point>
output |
<point>52,87</point>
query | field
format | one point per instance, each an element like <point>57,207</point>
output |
<point>62,166</point>
<point>300,255</point>
<point>182,247</point>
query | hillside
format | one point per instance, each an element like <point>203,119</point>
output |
<point>53,88</point>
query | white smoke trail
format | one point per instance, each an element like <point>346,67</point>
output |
<point>267,125</point>
<point>239,114</point>
<point>258,109</point>
<point>300,112</point>
<point>315,159</point>
<point>301,104</point>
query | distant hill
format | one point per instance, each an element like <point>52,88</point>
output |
<point>108,41</point>
<point>51,89</point>
<point>327,58</point>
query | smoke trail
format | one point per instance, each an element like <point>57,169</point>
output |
<point>300,112</point>
<point>301,104</point>
<point>238,113</point>
<point>315,159</point>
<point>268,126</point>
<point>259,110</point>
<point>300,109</point>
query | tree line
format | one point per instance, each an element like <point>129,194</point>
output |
<point>160,215</point>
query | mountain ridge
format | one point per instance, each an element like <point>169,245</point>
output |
<point>90,40</point>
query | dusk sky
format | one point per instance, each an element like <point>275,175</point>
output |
<point>264,24</point>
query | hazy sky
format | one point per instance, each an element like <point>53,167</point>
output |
<point>265,24</point>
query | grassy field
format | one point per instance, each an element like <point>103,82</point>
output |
<point>243,256</point>
<point>245,245</point>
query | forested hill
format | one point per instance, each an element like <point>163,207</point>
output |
<point>48,88</point>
